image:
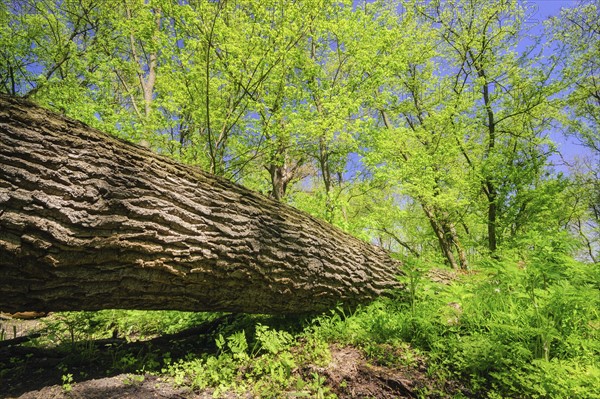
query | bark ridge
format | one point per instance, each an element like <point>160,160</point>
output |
<point>88,222</point>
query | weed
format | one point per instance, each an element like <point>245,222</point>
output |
<point>67,382</point>
<point>133,379</point>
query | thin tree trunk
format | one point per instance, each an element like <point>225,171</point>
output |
<point>442,236</point>
<point>490,191</point>
<point>90,222</point>
<point>488,186</point>
<point>462,255</point>
<point>277,183</point>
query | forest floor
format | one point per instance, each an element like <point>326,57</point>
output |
<point>37,372</point>
<point>349,376</point>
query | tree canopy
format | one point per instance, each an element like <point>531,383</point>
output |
<point>424,127</point>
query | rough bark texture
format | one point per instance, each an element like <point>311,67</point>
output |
<point>89,222</point>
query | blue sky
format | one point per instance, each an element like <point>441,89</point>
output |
<point>542,9</point>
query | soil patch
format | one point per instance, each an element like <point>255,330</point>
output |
<point>350,375</point>
<point>126,386</point>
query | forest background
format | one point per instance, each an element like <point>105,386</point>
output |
<point>427,128</point>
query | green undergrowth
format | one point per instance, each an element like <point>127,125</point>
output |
<point>266,363</point>
<point>72,327</point>
<point>527,329</point>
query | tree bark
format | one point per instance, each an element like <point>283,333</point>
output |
<point>88,222</point>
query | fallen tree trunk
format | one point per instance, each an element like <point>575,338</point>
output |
<point>90,222</point>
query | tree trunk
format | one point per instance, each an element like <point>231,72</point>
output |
<point>441,234</point>
<point>490,191</point>
<point>89,222</point>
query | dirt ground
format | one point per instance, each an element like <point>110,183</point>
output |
<point>34,373</point>
<point>348,375</point>
<point>126,386</point>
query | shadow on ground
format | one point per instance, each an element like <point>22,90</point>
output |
<point>116,368</point>
<point>26,369</point>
